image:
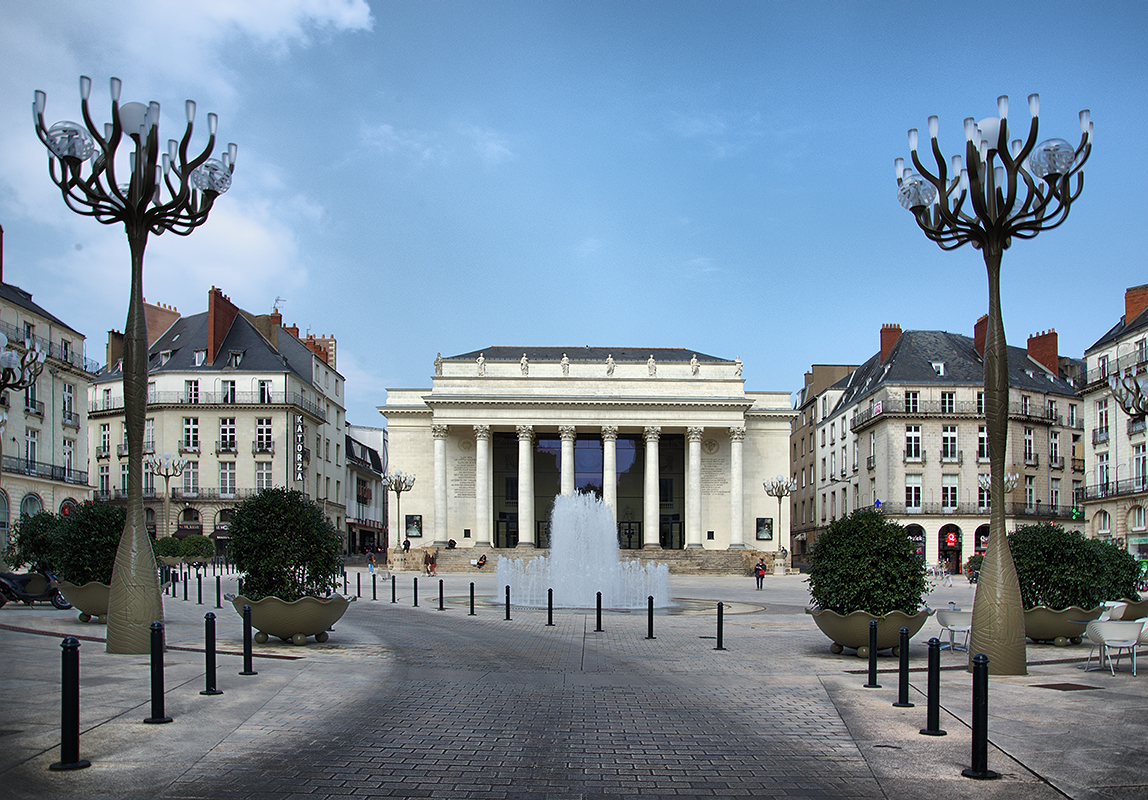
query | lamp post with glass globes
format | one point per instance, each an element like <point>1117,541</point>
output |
<point>17,371</point>
<point>780,487</point>
<point>167,467</point>
<point>1001,190</point>
<point>148,189</point>
<point>398,482</point>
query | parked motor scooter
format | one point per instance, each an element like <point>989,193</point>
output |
<point>32,587</point>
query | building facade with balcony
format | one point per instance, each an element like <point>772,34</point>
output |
<point>366,494</point>
<point>242,398</point>
<point>908,434</point>
<point>1115,495</point>
<point>44,440</point>
<point>668,438</point>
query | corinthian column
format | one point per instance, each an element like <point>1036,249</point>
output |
<point>439,432</point>
<point>525,485</point>
<point>482,512</point>
<point>694,489</point>
<point>651,504</point>
<point>568,434</point>
<point>610,468</point>
<point>736,479</point>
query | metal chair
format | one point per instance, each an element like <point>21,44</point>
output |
<point>955,622</point>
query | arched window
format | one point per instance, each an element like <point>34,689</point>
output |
<point>190,516</point>
<point>1104,523</point>
<point>223,518</point>
<point>4,516</point>
<point>31,505</point>
<point>67,507</point>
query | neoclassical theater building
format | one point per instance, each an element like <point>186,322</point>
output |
<point>668,438</point>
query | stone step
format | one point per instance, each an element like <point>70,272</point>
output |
<point>680,562</point>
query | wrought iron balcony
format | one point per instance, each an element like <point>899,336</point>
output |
<point>34,407</point>
<point>1056,462</point>
<point>39,469</point>
<point>267,447</point>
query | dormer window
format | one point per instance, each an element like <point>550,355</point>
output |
<point>939,367</point>
<point>234,357</point>
<point>200,357</point>
<point>164,357</point>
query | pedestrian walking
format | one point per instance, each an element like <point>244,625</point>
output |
<point>371,563</point>
<point>406,545</point>
<point>759,572</point>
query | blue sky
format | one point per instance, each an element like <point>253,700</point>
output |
<point>416,177</point>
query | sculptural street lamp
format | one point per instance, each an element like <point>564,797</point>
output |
<point>398,482</point>
<point>780,487</point>
<point>1131,392</point>
<point>167,467</point>
<point>17,371</point>
<point>1002,189</point>
<point>150,189</point>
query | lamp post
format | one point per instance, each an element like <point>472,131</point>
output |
<point>1131,393</point>
<point>17,371</point>
<point>780,487</point>
<point>165,190</point>
<point>398,483</point>
<point>167,467</point>
<point>1013,189</point>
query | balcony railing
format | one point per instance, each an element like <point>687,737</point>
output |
<point>183,493</point>
<point>38,469</point>
<point>977,510</point>
<point>267,447</point>
<point>216,398</point>
<point>914,456</point>
<point>70,419</point>
<point>952,456</point>
<point>871,462</point>
<point>189,447</point>
<point>1056,462</point>
<point>103,451</point>
<point>116,495</point>
<point>1078,465</point>
<point>1099,435</point>
<point>1136,426</point>
<point>225,446</point>
<point>54,349</point>
<point>121,450</point>
<point>149,446</point>
<point>1031,460</point>
<point>1136,362</point>
<point>1127,486</point>
<point>35,407</point>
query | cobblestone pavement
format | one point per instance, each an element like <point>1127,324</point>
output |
<point>408,701</point>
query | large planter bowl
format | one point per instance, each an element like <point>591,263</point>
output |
<point>1044,624</point>
<point>91,599</point>
<point>1137,609</point>
<point>293,621</point>
<point>852,630</point>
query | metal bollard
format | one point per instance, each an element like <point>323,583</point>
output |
<point>209,653</point>
<point>344,583</point>
<point>549,608</point>
<point>218,592</point>
<point>199,580</point>
<point>374,586</point>
<point>440,605</point>
<point>416,592</point>
<point>720,625</point>
<point>650,615</point>
<point>157,716</point>
<point>903,672</point>
<point>186,581</point>
<point>933,701</point>
<point>980,767</point>
<point>240,582</point>
<point>247,666</point>
<point>598,605</point>
<point>872,684</point>
<point>358,584</point>
<point>508,601</point>
<point>394,590</point>
<point>70,708</point>
<point>471,599</point>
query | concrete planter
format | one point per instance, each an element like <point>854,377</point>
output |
<point>852,630</point>
<point>294,621</point>
<point>1043,624</point>
<point>91,599</point>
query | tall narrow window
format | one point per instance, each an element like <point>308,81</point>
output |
<point>949,493</point>
<point>948,402</point>
<point>1054,494</point>
<point>191,391</point>
<point>982,443</point>
<point>264,391</point>
<point>191,478</point>
<point>227,479</point>
<point>1029,446</point>
<point>263,475</point>
<point>191,433</point>
<point>949,449</point>
<point>227,434</point>
<point>912,402</point>
<point>263,435</point>
<point>912,442</point>
<point>227,391</point>
<point>912,493</point>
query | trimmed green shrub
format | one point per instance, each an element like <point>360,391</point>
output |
<point>197,548</point>
<point>285,546</point>
<point>974,563</point>
<point>84,547</point>
<point>167,547</point>
<point>1059,568</point>
<point>31,542</point>
<point>865,562</point>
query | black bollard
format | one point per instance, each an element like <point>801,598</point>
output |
<point>209,653</point>
<point>872,684</point>
<point>199,580</point>
<point>186,581</point>
<point>218,592</point>
<point>240,582</point>
<point>980,768</point>
<point>416,592</point>
<point>549,608</point>
<point>70,708</point>
<point>598,606</point>
<point>720,625</point>
<point>358,584</point>
<point>471,599</point>
<point>344,583</point>
<point>933,701</point>
<point>394,590</point>
<point>374,586</point>
<point>247,666</point>
<point>508,601</point>
<point>440,605</point>
<point>157,716</point>
<point>172,580</point>
<point>903,672</point>
<point>650,616</point>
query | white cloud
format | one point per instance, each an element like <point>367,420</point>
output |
<point>419,147</point>
<point>489,145</point>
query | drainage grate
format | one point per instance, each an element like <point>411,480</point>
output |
<point>1063,687</point>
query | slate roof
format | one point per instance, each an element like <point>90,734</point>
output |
<point>910,362</point>
<point>585,353</point>
<point>1121,329</point>
<point>369,456</point>
<point>18,297</point>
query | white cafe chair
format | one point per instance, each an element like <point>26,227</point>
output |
<point>955,622</point>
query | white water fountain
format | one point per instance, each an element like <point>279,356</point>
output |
<point>583,561</point>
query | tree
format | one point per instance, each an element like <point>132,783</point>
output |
<point>85,542</point>
<point>1058,568</point>
<point>31,542</point>
<point>285,546</point>
<point>865,562</point>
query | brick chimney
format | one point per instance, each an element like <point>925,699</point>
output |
<point>1135,301</point>
<point>115,348</point>
<point>221,312</point>
<point>159,318</point>
<point>1042,348</point>
<point>979,330</point>
<point>890,333</point>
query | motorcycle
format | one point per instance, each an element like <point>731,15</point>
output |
<point>32,587</point>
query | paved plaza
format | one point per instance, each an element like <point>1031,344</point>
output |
<point>407,701</point>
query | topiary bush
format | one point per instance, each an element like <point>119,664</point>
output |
<point>167,547</point>
<point>197,548</point>
<point>285,546</point>
<point>84,546</point>
<point>973,564</point>
<point>31,542</point>
<point>865,562</point>
<point>1059,568</point>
